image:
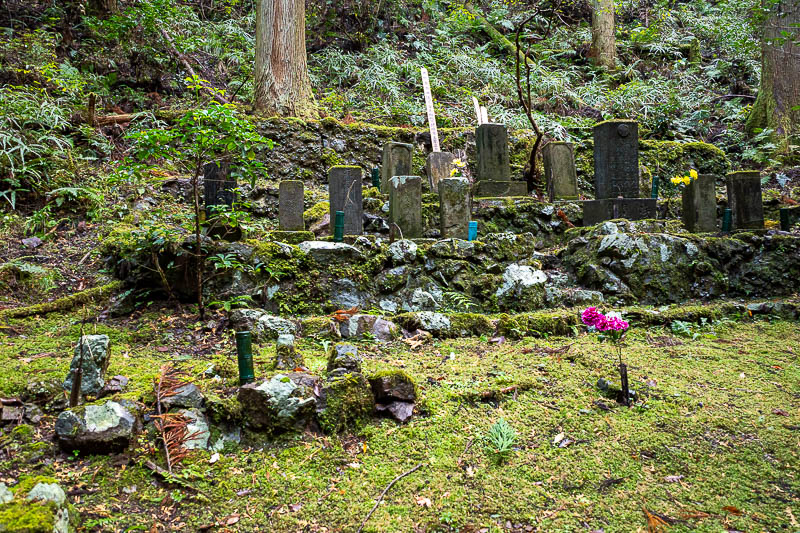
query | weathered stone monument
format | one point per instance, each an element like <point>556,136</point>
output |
<point>744,199</point>
<point>344,191</point>
<point>218,187</point>
<point>290,205</point>
<point>596,211</point>
<point>454,208</point>
<point>559,170</point>
<point>616,159</point>
<point>494,166</point>
<point>405,205</point>
<point>700,205</point>
<point>396,161</point>
<point>438,167</point>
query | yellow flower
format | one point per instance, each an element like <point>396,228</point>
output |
<point>453,172</point>
<point>676,180</point>
<point>687,180</point>
<point>459,163</point>
<point>693,174</point>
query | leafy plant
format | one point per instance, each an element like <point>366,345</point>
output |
<point>500,440</point>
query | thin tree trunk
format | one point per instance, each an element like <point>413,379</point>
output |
<point>199,261</point>
<point>282,86</point>
<point>778,103</point>
<point>604,43</point>
<point>102,8</point>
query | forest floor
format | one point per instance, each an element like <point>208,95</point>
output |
<point>710,444</point>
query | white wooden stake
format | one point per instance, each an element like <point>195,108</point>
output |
<point>477,107</point>
<point>484,115</point>
<point>426,87</point>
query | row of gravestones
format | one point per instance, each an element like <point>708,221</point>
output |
<point>405,204</point>
<point>616,165</point>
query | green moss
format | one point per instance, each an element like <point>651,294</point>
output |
<point>26,483</point>
<point>290,237</point>
<point>318,325</point>
<point>315,214</point>
<point>23,433</point>
<point>348,403</point>
<point>471,324</point>
<point>19,517</point>
<point>63,304</point>
<point>330,158</point>
<point>540,324</point>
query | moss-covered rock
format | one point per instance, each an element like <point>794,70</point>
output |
<point>346,402</point>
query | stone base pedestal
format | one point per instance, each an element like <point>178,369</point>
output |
<point>596,211</point>
<point>489,188</point>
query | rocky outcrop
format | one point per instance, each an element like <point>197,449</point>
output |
<point>36,504</point>
<point>278,404</point>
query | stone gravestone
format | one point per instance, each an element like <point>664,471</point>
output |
<point>405,205</point>
<point>494,167</point>
<point>218,188</point>
<point>438,167</point>
<point>290,206</point>
<point>596,211</point>
<point>396,161</point>
<point>700,205</point>
<point>559,170</point>
<point>616,159</point>
<point>744,199</point>
<point>454,208</point>
<point>344,190</point>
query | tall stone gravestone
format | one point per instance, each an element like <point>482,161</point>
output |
<point>559,170</point>
<point>218,188</point>
<point>616,159</point>
<point>454,208</point>
<point>700,205</point>
<point>494,166</point>
<point>290,206</point>
<point>405,205</point>
<point>744,199</point>
<point>396,161</point>
<point>344,190</point>
<point>438,167</point>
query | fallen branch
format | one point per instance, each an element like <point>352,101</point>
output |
<point>380,498</point>
<point>62,304</point>
<point>182,58</point>
<point>497,38</point>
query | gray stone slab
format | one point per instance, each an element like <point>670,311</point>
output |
<point>405,205</point>
<point>744,199</point>
<point>490,189</point>
<point>218,187</point>
<point>559,171</point>
<point>290,206</point>
<point>596,211</point>
<point>344,191</point>
<point>438,167</point>
<point>454,208</point>
<point>494,163</point>
<point>616,159</point>
<point>396,161</point>
<point>700,205</point>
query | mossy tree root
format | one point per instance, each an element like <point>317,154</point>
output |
<point>62,304</point>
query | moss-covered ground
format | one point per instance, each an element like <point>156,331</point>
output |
<point>711,444</point>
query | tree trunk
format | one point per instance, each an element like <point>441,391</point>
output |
<point>102,8</point>
<point>282,86</point>
<point>604,43</point>
<point>778,103</point>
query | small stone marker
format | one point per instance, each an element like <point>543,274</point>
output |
<point>344,189</point>
<point>616,159</point>
<point>287,357</point>
<point>494,168</point>
<point>405,205</point>
<point>438,167</point>
<point>454,208</point>
<point>290,206</point>
<point>596,211</point>
<point>789,217</point>
<point>218,188</point>
<point>700,205</point>
<point>559,169</point>
<point>744,199</point>
<point>396,161</point>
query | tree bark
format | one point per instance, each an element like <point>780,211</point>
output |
<point>604,43</point>
<point>777,105</point>
<point>102,8</point>
<point>282,86</point>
